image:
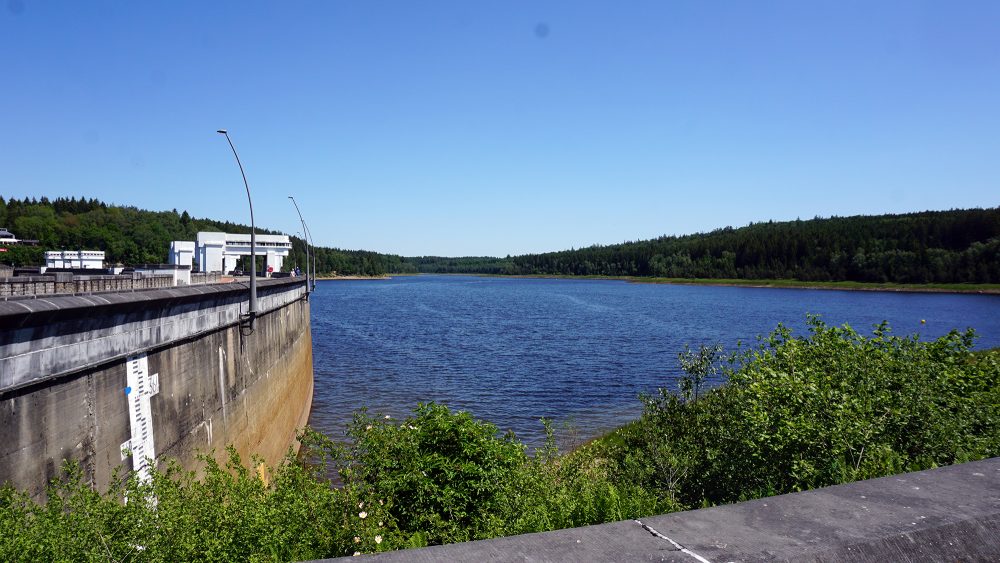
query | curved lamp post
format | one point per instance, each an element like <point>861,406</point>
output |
<point>309,237</point>
<point>305,239</point>
<point>252,313</point>
<point>312,242</point>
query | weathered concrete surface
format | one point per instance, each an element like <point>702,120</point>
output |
<point>216,386</point>
<point>50,337</point>
<point>946,514</point>
<point>22,286</point>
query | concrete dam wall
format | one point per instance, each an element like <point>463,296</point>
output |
<point>159,373</point>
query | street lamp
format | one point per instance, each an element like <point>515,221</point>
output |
<point>308,237</point>
<point>312,242</point>
<point>252,313</point>
<point>305,239</point>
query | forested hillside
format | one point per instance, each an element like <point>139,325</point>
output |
<point>958,246</point>
<point>134,236</point>
<point>464,265</point>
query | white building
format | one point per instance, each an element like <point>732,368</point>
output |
<point>80,259</point>
<point>218,252</point>
<point>182,252</point>
<point>8,238</point>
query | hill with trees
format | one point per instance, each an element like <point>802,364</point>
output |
<point>129,235</point>
<point>957,246</point>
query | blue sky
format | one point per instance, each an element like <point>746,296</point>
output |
<point>494,128</point>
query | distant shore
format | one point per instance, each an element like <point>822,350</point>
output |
<point>982,289</point>
<point>985,289</point>
<point>991,289</point>
<point>352,278</point>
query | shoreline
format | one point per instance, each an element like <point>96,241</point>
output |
<point>958,288</point>
<point>974,289</point>
<point>353,278</point>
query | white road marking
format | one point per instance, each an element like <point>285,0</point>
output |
<point>680,547</point>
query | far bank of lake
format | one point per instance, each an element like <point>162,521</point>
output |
<point>981,288</point>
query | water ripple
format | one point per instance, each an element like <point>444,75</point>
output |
<point>577,351</point>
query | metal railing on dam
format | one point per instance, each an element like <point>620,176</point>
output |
<point>164,372</point>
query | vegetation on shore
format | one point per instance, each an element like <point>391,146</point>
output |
<point>992,288</point>
<point>797,412</point>
<point>848,285</point>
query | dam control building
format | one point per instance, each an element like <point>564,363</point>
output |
<point>219,252</point>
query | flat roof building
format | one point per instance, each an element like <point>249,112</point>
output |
<point>219,252</point>
<point>75,259</point>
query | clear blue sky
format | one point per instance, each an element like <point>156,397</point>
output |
<point>494,128</point>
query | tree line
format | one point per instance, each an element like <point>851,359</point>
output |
<point>130,236</point>
<point>956,246</point>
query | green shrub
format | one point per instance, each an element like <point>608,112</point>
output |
<point>449,477</point>
<point>832,407</point>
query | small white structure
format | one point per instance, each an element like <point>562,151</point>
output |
<point>80,259</point>
<point>218,252</point>
<point>8,238</point>
<point>182,253</point>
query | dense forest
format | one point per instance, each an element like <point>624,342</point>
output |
<point>133,236</point>
<point>464,265</point>
<point>958,246</point>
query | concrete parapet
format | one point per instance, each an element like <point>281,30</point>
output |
<point>945,514</point>
<point>48,338</point>
<point>198,278</point>
<point>64,283</point>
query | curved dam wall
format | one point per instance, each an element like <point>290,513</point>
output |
<point>159,373</point>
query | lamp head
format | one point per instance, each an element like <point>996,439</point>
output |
<point>223,131</point>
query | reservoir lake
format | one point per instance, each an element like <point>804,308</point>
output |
<point>513,350</point>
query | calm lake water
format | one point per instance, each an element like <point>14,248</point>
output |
<point>511,351</point>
